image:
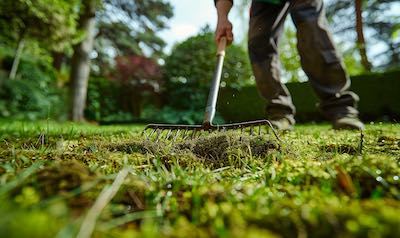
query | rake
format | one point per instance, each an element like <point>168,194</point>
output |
<point>173,131</point>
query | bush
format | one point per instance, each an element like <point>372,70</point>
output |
<point>190,67</point>
<point>380,99</point>
<point>33,94</point>
<point>171,115</point>
<point>103,101</point>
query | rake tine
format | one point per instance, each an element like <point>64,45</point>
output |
<point>168,134</point>
<point>176,135</point>
<point>198,133</point>
<point>241,133</point>
<point>185,134</point>
<point>193,134</point>
<point>173,132</point>
<point>273,131</point>
<point>190,135</point>
<point>145,134</point>
<point>159,132</point>
<point>152,132</point>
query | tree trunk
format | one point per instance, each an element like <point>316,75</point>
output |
<point>17,58</point>
<point>360,36</point>
<point>80,64</point>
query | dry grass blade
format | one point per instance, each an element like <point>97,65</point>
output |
<point>345,181</point>
<point>104,198</point>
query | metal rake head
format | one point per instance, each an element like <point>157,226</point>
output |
<point>171,132</point>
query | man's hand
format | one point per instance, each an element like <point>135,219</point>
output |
<point>224,26</point>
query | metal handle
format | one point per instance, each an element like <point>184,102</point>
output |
<point>214,88</point>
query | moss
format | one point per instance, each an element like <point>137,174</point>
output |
<point>315,184</point>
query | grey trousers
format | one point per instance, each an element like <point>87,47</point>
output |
<point>319,58</point>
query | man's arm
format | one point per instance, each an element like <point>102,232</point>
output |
<point>224,26</point>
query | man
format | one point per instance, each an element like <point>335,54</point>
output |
<point>319,59</point>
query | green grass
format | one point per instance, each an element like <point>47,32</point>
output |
<point>315,183</point>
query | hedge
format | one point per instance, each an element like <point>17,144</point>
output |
<point>379,93</point>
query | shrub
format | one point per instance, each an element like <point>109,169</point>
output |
<point>379,95</point>
<point>33,94</point>
<point>190,67</point>
<point>103,101</point>
<point>168,114</point>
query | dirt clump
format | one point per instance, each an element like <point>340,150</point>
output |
<point>340,148</point>
<point>130,147</point>
<point>62,177</point>
<point>216,147</point>
<point>222,146</point>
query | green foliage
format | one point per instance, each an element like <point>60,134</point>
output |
<point>16,221</point>
<point>103,101</point>
<point>380,104</point>
<point>33,94</point>
<point>290,59</point>
<point>381,22</point>
<point>192,62</point>
<point>171,115</point>
<point>190,67</point>
<point>54,24</point>
<point>118,34</point>
<point>352,62</point>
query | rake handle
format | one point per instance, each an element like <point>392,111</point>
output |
<point>214,87</point>
<point>221,46</point>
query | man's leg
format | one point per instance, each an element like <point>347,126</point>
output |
<point>321,62</point>
<point>266,26</point>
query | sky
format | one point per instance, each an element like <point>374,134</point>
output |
<point>189,17</point>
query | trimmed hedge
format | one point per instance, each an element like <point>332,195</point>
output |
<point>379,93</point>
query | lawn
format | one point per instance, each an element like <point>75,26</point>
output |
<point>67,179</point>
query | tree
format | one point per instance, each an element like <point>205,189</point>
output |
<point>138,75</point>
<point>374,17</point>
<point>125,27</point>
<point>360,35</point>
<point>384,20</point>
<point>80,64</point>
<point>130,27</point>
<point>53,25</point>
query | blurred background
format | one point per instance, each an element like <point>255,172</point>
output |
<point>120,61</point>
